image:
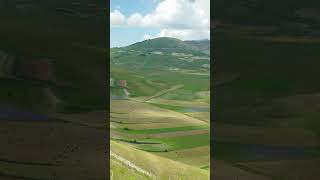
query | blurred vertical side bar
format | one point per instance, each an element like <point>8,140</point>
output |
<point>53,89</point>
<point>212,83</point>
<point>266,114</point>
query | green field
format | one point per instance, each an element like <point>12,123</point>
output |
<point>120,171</point>
<point>155,120</point>
<point>156,166</point>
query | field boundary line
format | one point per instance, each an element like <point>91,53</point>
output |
<point>164,92</point>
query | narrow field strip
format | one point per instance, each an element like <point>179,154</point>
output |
<point>175,143</point>
<point>118,113</point>
<point>131,165</point>
<point>135,142</point>
<point>118,117</point>
<point>180,133</point>
<point>162,130</point>
<point>181,109</point>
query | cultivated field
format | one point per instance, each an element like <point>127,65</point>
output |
<point>160,131</point>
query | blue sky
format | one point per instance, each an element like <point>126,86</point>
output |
<point>122,36</point>
<point>135,20</point>
<point>128,7</point>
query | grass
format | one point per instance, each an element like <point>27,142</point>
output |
<point>144,82</point>
<point>179,103</point>
<point>137,84</point>
<point>178,143</point>
<point>205,116</point>
<point>162,168</point>
<point>146,114</point>
<point>169,107</point>
<point>184,141</point>
<point>148,129</point>
<point>198,156</point>
<point>158,131</point>
<point>161,130</point>
<point>119,171</point>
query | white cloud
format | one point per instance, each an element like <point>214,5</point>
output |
<point>183,19</point>
<point>117,18</point>
<point>177,14</point>
<point>147,36</point>
<point>135,19</point>
<point>183,34</point>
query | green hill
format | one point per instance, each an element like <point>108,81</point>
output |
<point>167,87</point>
<point>162,54</point>
<point>201,45</point>
<point>160,43</point>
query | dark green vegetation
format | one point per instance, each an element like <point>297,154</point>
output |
<point>170,107</point>
<point>161,54</point>
<point>162,130</point>
<point>171,45</point>
<point>52,62</point>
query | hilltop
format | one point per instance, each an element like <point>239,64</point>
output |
<point>169,44</point>
<point>163,54</point>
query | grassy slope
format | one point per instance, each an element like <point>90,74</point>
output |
<point>118,171</point>
<point>161,167</point>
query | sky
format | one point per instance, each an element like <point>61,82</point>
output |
<point>136,20</point>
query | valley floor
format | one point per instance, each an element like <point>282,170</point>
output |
<point>160,142</point>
